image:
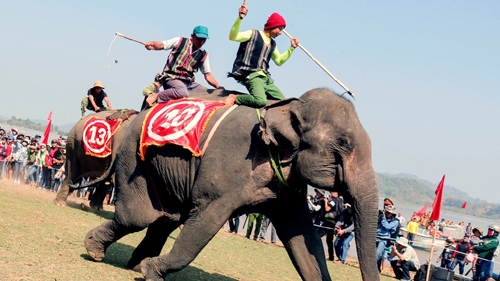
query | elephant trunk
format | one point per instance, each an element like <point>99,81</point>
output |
<point>365,210</point>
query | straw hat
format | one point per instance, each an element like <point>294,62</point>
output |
<point>402,241</point>
<point>98,84</point>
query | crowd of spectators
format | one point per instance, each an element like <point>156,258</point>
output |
<point>28,160</point>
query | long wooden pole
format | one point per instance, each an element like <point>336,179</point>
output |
<point>429,264</point>
<point>129,38</point>
<point>322,66</point>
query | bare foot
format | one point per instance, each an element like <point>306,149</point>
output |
<point>151,99</point>
<point>230,100</point>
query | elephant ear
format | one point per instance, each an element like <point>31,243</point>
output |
<point>281,126</point>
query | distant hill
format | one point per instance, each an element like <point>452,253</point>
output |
<point>410,188</point>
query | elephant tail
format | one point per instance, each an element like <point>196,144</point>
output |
<point>102,178</point>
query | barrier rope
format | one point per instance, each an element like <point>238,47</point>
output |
<point>415,243</point>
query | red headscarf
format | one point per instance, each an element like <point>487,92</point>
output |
<point>275,20</point>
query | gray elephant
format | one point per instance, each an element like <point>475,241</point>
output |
<point>79,165</point>
<point>320,142</point>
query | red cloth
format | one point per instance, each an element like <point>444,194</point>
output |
<point>180,122</point>
<point>422,211</point>
<point>97,135</point>
<point>275,20</point>
<point>464,205</point>
<point>46,133</point>
<point>436,206</point>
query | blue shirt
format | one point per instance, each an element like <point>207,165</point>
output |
<point>386,227</point>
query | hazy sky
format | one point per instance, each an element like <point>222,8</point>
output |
<point>425,73</point>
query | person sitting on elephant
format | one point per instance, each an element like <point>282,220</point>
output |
<point>251,67</point>
<point>184,60</point>
<point>94,99</point>
<point>152,88</point>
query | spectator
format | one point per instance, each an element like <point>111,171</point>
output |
<point>8,159</point>
<point>447,253</point>
<point>57,162</point>
<point>258,222</point>
<point>266,222</point>
<point>475,239</point>
<point>33,164</point>
<point>332,209</point>
<point>20,157</point>
<point>345,233</point>
<point>3,147</point>
<point>412,229</point>
<point>186,57</point>
<point>401,219</point>
<point>44,169</point>
<point>315,204</point>
<point>405,259</point>
<point>257,49</point>
<point>485,252</point>
<point>468,230</point>
<point>387,227</point>
<point>459,254</point>
<point>234,224</point>
<point>94,99</point>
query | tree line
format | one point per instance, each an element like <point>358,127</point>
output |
<point>27,123</point>
<point>421,192</point>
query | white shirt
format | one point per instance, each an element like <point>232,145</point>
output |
<point>172,43</point>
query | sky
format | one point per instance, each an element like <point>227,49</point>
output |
<point>425,74</point>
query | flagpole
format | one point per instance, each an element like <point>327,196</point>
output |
<point>435,215</point>
<point>429,264</point>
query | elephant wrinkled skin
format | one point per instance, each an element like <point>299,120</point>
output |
<point>78,165</point>
<point>321,143</point>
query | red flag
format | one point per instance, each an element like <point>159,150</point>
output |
<point>436,206</point>
<point>46,133</point>
<point>422,211</point>
<point>464,205</point>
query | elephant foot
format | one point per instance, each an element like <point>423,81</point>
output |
<point>60,203</point>
<point>96,207</point>
<point>134,264</point>
<point>95,249</point>
<point>149,270</point>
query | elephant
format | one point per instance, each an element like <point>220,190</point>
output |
<point>320,142</point>
<point>79,165</point>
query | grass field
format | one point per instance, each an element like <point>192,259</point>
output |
<point>41,241</point>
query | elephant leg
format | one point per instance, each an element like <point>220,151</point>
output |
<point>98,197</point>
<point>98,239</point>
<point>153,242</point>
<point>198,230</point>
<point>63,193</point>
<point>303,244</point>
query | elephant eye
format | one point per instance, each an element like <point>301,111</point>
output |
<point>343,142</point>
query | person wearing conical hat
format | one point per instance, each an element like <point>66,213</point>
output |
<point>250,68</point>
<point>95,98</point>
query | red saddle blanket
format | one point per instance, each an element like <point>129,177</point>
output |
<point>180,122</point>
<point>97,134</point>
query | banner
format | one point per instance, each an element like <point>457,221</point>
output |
<point>436,206</point>
<point>97,134</point>
<point>46,132</point>
<point>180,122</point>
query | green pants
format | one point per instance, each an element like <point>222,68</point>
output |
<point>85,105</point>
<point>261,87</point>
<point>258,222</point>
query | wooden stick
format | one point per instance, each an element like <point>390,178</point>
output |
<point>244,2</point>
<point>128,38</point>
<point>323,67</point>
